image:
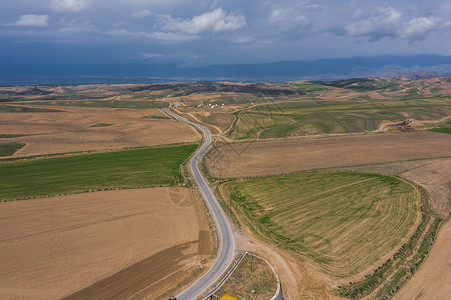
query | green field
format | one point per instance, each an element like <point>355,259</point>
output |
<point>23,109</point>
<point>296,120</point>
<point>7,149</point>
<point>101,125</point>
<point>10,136</point>
<point>251,125</point>
<point>77,173</point>
<point>444,128</point>
<point>343,221</point>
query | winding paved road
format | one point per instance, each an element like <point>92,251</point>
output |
<point>227,244</point>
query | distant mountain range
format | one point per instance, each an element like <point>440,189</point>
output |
<point>418,74</point>
<point>325,69</point>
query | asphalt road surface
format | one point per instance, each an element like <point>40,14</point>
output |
<point>226,244</point>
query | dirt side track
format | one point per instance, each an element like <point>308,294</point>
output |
<point>53,247</point>
<point>286,156</point>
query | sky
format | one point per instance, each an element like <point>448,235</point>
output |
<point>204,32</point>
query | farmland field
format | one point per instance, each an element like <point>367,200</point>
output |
<point>303,108</point>
<point>345,222</point>
<point>23,109</point>
<point>7,149</point>
<point>58,246</point>
<point>286,156</point>
<point>76,129</point>
<point>336,232</point>
<point>431,279</point>
<point>217,120</point>
<point>106,103</point>
<point>444,128</point>
<point>251,125</point>
<point>8,136</point>
<point>78,173</point>
<point>336,118</point>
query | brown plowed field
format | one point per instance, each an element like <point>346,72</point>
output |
<point>286,156</point>
<point>113,242</point>
<point>84,129</point>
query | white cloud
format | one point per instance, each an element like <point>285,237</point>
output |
<point>79,29</point>
<point>381,23</point>
<point>281,15</point>
<point>153,55</point>
<point>68,5</point>
<point>416,29</point>
<point>241,39</point>
<point>276,15</point>
<point>390,23</point>
<point>172,55</point>
<point>32,21</point>
<point>141,14</point>
<point>215,20</point>
<point>167,37</point>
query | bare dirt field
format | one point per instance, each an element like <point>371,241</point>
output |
<point>432,281</point>
<point>285,156</point>
<point>132,244</point>
<point>85,129</point>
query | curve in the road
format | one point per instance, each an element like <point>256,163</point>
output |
<point>226,244</point>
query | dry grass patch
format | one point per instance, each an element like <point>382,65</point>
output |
<point>221,120</point>
<point>345,222</point>
<point>252,279</point>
